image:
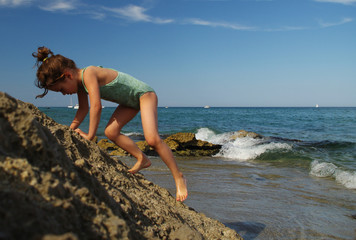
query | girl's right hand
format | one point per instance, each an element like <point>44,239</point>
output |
<point>83,134</point>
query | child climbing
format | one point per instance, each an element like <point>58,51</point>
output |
<point>60,74</point>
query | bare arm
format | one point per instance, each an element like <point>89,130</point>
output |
<point>82,110</point>
<point>92,85</point>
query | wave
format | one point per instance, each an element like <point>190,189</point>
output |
<point>326,169</point>
<point>133,134</point>
<point>240,149</point>
<point>269,148</point>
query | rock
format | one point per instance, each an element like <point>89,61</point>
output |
<point>185,144</point>
<point>183,139</point>
<point>181,144</point>
<point>111,148</point>
<point>185,232</point>
<point>95,139</point>
<point>106,145</point>
<point>66,236</point>
<point>56,185</point>
<point>146,148</point>
<point>243,133</point>
<point>119,152</point>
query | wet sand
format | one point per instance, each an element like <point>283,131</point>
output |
<point>264,200</point>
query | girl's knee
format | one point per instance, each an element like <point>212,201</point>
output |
<point>111,135</point>
<point>153,141</point>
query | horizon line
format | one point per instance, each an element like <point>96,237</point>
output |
<point>223,107</point>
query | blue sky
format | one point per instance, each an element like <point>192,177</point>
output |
<point>192,52</point>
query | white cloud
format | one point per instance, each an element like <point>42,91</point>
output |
<point>59,5</point>
<point>329,24</point>
<point>284,29</point>
<point>14,3</point>
<point>136,14</point>
<point>139,14</point>
<point>233,26</point>
<point>345,2</point>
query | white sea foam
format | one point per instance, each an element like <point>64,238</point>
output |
<point>324,169</point>
<point>348,179</point>
<point>204,134</point>
<point>240,149</point>
<point>248,148</point>
<point>209,135</point>
<point>129,134</point>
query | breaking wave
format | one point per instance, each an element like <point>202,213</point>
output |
<point>248,148</point>
<point>326,169</point>
<point>240,149</point>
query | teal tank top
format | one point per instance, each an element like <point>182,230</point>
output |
<point>124,90</point>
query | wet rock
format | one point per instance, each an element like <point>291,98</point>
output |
<point>243,133</point>
<point>56,185</point>
<point>181,144</point>
<point>106,145</point>
<point>185,144</point>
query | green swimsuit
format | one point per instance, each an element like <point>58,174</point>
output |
<point>124,90</point>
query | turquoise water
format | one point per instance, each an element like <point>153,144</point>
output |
<point>297,182</point>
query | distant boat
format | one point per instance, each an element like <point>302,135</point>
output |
<point>207,106</point>
<point>317,105</point>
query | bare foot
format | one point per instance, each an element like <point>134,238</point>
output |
<point>182,191</point>
<point>144,163</point>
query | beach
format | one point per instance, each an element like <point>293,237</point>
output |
<point>296,182</point>
<point>56,185</point>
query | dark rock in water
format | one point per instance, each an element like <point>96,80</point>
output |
<point>243,133</point>
<point>181,144</point>
<point>107,145</point>
<point>56,185</point>
<point>185,144</point>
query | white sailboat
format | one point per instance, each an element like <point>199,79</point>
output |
<point>317,105</point>
<point>76,106</point>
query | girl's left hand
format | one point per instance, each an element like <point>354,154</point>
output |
<point>83,134</point>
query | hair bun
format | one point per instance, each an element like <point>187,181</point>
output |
<point>42,54</point>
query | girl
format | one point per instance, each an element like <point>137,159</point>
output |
<point>60,74</point>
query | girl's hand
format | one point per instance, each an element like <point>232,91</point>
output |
<point>83,134</point>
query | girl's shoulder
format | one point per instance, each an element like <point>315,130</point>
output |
<point>97,69</point>
<point>92,68</point>
<point>103,75</point>
<point>92,71</point>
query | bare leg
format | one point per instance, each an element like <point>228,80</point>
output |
<point>148,105</point>
<point>118,120</point>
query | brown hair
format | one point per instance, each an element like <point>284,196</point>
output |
<point>50,68</point>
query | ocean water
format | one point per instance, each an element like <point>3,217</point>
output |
<point>297,182</point>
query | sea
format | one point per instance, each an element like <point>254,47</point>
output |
<point>296,182</point>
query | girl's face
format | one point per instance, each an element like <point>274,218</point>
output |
<point>65,86</point>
